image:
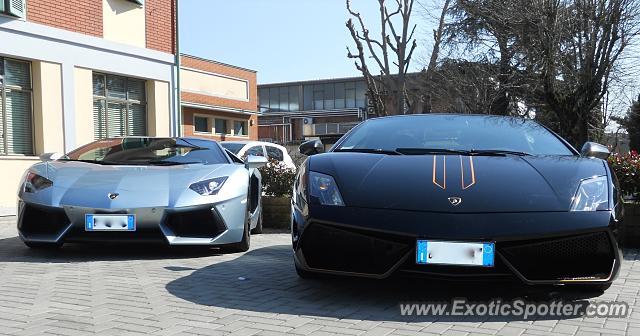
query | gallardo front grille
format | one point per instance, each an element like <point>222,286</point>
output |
<point>577,257</point>
<point>335,249</point>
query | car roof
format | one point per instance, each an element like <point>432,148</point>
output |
<point>249,142</point>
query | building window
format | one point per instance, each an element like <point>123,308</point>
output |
<point>221,126</point>
<point>15,8</point>
<point>119,106</point>
<point>240,128</point>
<point>201,124</point>
<point>16,103</point>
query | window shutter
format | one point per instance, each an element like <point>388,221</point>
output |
<point>17,8</point>
<point>99,119</point>
<point>18,120</point>
<point>137,120</point>
<point>2,130</point>
<point>115,119</point>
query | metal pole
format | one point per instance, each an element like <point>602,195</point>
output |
<point>178,93</point>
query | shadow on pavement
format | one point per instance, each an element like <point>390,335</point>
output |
<point>264,280</point>
<point>14,250</point>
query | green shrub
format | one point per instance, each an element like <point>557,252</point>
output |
<point>627,169</point>
<point>277,179</point>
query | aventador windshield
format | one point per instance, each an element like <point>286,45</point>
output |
<point>146,151</point>
<point>454,134</point>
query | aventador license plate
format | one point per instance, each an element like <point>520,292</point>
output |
<point>455,253</point>
<point>110,223</point>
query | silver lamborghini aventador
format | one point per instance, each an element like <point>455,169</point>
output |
<point>181,191</point>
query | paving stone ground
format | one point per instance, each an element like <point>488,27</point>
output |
<point>154,290</point>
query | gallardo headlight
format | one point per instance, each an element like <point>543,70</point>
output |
<point>34,182</point>
<point>209,187</point>
<point>592,195</point>
<point>324,188</point>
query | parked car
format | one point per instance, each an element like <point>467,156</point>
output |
<point>260,148</point>
<point>458,196</point>
<point>180,191</point>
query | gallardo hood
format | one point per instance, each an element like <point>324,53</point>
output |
<point>483,183</point>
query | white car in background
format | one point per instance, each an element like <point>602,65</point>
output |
<point>259,148</point>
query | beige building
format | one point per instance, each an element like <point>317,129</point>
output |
<point>75,71</point>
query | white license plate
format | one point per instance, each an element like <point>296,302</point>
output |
<point>455,253</point>
<point>110,222</point>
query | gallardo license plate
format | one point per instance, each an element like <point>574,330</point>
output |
<point>455,253</point>
<point>110,223</point>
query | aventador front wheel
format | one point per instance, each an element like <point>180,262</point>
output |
<point>245,243</point>
<point>258,228</point>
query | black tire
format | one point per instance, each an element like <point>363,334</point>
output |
<point>258,228</point>
<point>43,246</point>
<point>244,244</point>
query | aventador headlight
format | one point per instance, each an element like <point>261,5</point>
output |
<point>592,195</point>
<point>34,182</point>
<point>325,189</point>
<point>209,187</point>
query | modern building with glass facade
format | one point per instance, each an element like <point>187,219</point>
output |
<point>324,109</point>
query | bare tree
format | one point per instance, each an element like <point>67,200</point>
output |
<point>391,51</point>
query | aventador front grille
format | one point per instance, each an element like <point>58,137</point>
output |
<point>334,249</point>
<point>40,220</point>
<point>578,257</point>
<point>200,223</point>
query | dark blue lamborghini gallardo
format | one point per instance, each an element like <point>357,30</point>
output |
<point>457,196</point>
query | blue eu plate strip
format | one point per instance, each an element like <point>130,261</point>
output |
<point>488,254</point>
<point>131,223</point>
<point>89,222</point>
<point>421,256</point>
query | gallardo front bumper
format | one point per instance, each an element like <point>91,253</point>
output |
<point>206,224</point>
<point>536,248</point>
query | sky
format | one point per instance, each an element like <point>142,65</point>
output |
<point>284,40</point>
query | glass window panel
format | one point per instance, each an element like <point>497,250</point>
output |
<point>2,151</point>
<point>240,128</point>
<point>263,96</point>
<point>255,150</point>
<point>339,90</point>
<point>275,153</point>
<point>221,126</point>
<point>308,97</point>
<point>116,87</point>
<point>98,85</point>
<point>274,99</point>
<point>339,103</point>
<point>350,96</point>
<point>201,124</point>
<point>294,98</point>
<point>361,89</point>
<point>136,89</point>
<point>284,99</point>
<point>318,97</point>
<point>17,73</point>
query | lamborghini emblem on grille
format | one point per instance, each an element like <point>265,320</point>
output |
<point>113,196</point>
<point>455,200</point>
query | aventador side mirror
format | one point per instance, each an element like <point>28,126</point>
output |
<point>311,147</point>
<point>50,156</point>
<point>255,161</point>
<point>596,150</point>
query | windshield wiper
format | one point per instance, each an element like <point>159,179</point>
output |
<point>368,150</point>
<point>472,152</point>
<point>426,151</point>
<point>488,152</point>
<point>169,163</point>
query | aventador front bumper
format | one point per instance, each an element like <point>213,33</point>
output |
<point>207,224</point>
<point>536,248</point>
